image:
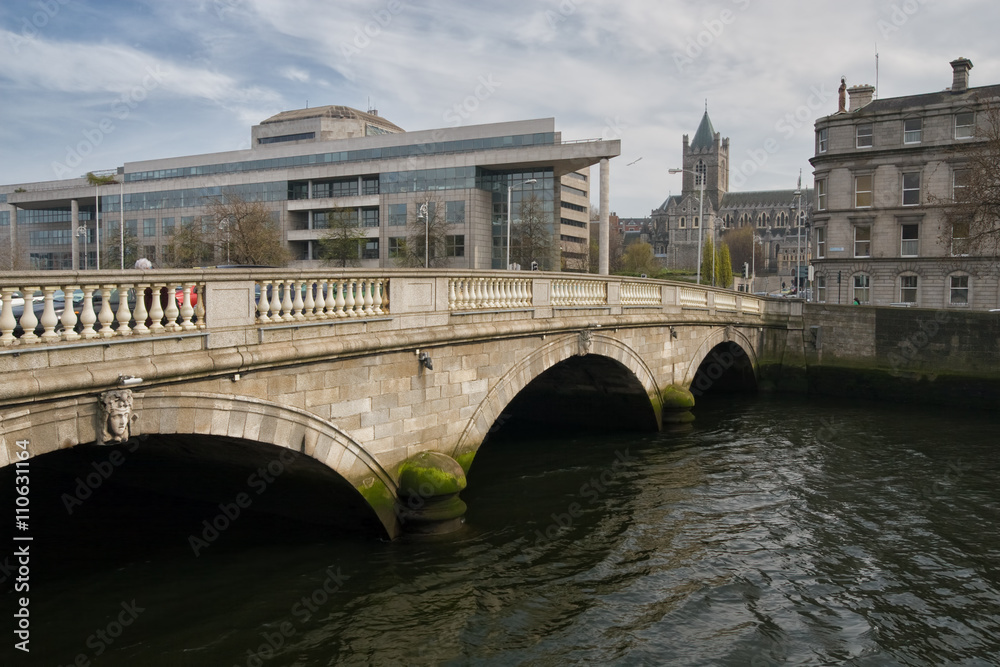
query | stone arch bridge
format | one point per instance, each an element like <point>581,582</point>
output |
<point>390,380</point>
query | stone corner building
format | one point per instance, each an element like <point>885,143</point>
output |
<point>772,213</point>
<point>882,169</point>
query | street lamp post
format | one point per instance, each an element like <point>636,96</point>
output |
<point>224,224</point>
<point>97,224</point>
<point>82,231</point>
<point>798,237</point>
<point>753,260</point>
<point>509,188</point>
<point>425,209</point>
<point>701,223</point>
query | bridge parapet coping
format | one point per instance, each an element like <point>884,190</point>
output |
<point>168,320</point>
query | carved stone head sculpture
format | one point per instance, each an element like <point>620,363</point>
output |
<point>585,341</point>
<point>116,415</point>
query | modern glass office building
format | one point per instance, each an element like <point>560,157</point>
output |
<point>310,164</point>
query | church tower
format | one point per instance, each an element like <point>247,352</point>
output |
<point>707,155</point>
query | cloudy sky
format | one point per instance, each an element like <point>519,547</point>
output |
<point>91,84</point>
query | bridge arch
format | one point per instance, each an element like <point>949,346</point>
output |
<point>538,362</point>
<point>717,337</point>
<point>228,416</point>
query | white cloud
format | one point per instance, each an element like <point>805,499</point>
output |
<point>227,64</point>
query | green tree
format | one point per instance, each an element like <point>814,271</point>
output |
<point>740,242</point>
<point>530,238</point>
<point>723,267</point>
<point>707,254</point>
<point>639,259</point>
<point>340,244</point>
<point>428,222</point>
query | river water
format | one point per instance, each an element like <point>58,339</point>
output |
<point>773,531</point>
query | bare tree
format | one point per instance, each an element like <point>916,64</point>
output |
<point>190,246</point>
<point>12,254</point>
<point>530,235</point>
<point>244,231</point>
<point>972,217</point>
<point>340,244</point>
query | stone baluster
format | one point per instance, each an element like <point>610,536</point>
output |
<point>330,311</point>
<point>473,301</point>
<point>452,298</point>
<point>172,312</point>
<point>467,299</point>
<point>349,298</point>
<point>502,296</point>
<point>7,320</point>
<point>298,305</point>
<point>276,301</point>
<point>360,298</point>
<point>377,297</point>
<point>106,316</point>
<point>124,315</point>
<point>156,313</point>
<point>309,304</point>
<point>367,285</point>
<point>286,301</point>
<point>517,299</point>
<point>141,313</point>
<point>49,319</point>
<point>487,301</point>
<point>491,284</point>
<point>528,296</point>
<point>68,318</point>
<point>187,310</point>
<point>199,306</point>
<point>340,299</point>
<point>385,295</point>
<point>28,318</point>
<point>263,301</point>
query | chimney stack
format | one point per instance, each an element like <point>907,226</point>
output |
<point>960,78</point>
<point>860,96</point>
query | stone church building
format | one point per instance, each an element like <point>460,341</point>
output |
<point>675,224</point>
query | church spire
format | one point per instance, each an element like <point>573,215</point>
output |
<point>705,136</point>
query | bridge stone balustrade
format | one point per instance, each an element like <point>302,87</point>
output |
<point>325,362</point>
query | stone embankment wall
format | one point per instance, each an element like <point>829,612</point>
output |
<point>901,354</point>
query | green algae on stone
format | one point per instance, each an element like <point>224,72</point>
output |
<point>430,474</point>
<point>674,397</point>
